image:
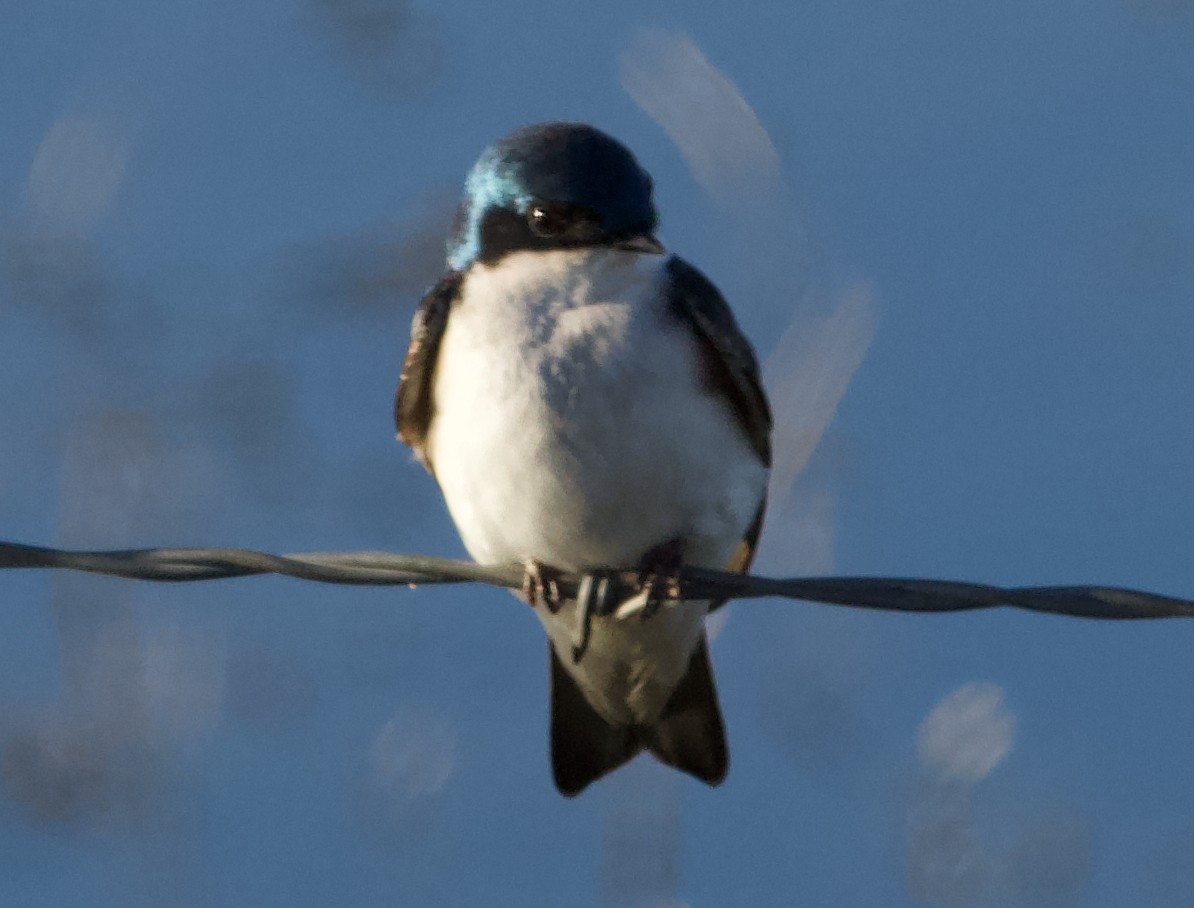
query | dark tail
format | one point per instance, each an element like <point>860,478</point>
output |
<point>584,747</point>
<point>689,735</point>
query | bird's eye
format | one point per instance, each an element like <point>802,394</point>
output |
<point>548,221</point>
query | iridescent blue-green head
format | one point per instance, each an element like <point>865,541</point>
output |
<point>553,186</point>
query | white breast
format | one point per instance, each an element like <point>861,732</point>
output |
<point>571,428</point>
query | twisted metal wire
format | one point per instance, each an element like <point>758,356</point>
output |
<point>384,568</point>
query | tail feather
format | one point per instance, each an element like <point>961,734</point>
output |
<point>584,746</point>
<point>688,736</point>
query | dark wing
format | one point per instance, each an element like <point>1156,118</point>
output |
<point>730,369</point>
<point>730,365</point>
<point>413,404</point>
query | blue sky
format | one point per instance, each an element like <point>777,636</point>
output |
<point>215,220</point>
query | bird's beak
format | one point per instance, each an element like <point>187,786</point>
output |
<point>644,242</point>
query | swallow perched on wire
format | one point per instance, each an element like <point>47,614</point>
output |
<point>587,404</point>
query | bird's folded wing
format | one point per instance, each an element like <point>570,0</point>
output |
<point>730,364</point>
<point>730,369</point>
<point>413,403</point>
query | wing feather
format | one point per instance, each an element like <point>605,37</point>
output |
<point>731,370</point>
<point>731,367</point>
<point>414,404</point>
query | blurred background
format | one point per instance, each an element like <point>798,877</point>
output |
<point>961,236</point>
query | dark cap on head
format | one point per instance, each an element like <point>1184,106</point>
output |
<point>569,164</point>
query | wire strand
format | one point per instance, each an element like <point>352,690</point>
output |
<point>385,568</point>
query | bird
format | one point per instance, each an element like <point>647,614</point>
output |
<point>587,404</point>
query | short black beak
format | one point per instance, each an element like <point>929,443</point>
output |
<point>643,242</point>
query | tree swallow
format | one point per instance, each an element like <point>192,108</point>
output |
<point>587,403</point>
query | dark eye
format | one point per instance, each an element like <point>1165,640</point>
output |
<point>549,220</point>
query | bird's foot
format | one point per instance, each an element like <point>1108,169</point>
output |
<point>541,586</point>
<point>659,576</point>
<point>592,598</point>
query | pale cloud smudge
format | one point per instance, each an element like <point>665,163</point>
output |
<point>807,375</point>
<point>968,733</point>
<point>77,172</point>
<point>413,755</point>
<point>965,736</point>
<point>725,145</point>
<point>962,740</point>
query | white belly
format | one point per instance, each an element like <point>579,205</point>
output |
<point>571,429</point>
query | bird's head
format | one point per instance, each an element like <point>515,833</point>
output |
<point>553,186</point>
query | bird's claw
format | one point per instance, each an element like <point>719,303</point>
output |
<point>541,586</point>
<point>592,598</point>
<point>659,576</point>
<point>659,582</point>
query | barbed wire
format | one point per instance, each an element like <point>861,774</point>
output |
<point>385,568</point>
